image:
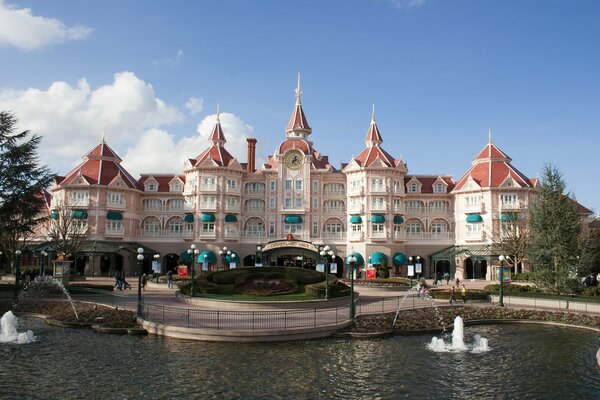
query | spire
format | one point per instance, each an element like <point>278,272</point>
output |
<point>298,92</point>
<point>217,138</point>
<point>489,136</point>
<point>298,125</point>
<point>373,137</point>
<point>102,138</point>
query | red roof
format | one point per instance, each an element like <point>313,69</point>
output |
<point>372,154</point>
<point>427,182</point>
<point>216,153</point>
<point>100,166</point>
<point>373,134</point>
<point>298,120</point>
<point>491,168</point>
<point>295,143</point>
<point>217,133</point>
<point>163,181</point>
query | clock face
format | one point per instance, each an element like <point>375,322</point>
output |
<point>294,159</point>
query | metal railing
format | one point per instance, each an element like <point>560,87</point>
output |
<point>550,303</point>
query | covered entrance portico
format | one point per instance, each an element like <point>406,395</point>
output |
<point>474,261</point>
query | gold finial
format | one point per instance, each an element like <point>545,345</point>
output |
<point>298,92</point>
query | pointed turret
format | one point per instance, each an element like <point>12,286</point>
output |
<point>217,138</point>
<point>373,137</point>
<point>298,125</point>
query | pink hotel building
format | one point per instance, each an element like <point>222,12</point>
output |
<point>284,211</point>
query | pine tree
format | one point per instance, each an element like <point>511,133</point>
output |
<point>555,235</point>
<point>22,184</point>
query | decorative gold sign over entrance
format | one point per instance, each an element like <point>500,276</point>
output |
<point>290,243</point>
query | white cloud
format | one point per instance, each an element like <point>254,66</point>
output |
<point>158,151</point>
<point>71,119</point>
<point>194,105</point>
<point>406,3</point>
<point>170,62</point>
<point>20,28</point>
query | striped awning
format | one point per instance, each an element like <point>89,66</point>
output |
<point>114,216</point>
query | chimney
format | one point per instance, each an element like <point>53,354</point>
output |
<point>251,154</point>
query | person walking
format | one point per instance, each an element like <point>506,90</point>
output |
<point>144,281</point>
<point>169,279</point>
<point>447,277</point>
<point>463,293</point>
<point>118,281</point>
<point>451,295</point>
<point>126,284</point>
<point>457,282</point>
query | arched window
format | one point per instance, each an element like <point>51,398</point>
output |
<point>254,227</point>
<point>414,228</point>
<point>151,226</point>
<point>175,226</point>
<point>288,183</point>
<point>298,183</point>
<point>333,228</point>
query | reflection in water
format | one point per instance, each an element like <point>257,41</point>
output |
<point>526,362</point>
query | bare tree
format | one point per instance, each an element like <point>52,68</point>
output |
<point>67,228</point>
<point>511,237</point>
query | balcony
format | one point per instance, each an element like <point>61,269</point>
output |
<point>150,207</point>
<point>232,234</point>
<point>254,192</point>
<point>334,193</point>
<point>474,208</point>
<point>336,210</point>
<point>232,207</point>
<point>399,235</point>
<point>207,233</point>
<point>415,210</point>
<point>333,235</point>
<point>378,189</point>
<point>430,235</point>
<point>378,207</point>
<point>254,234</point>
<point>236,190</point>
<point>357,209</point>
<point>209,206</point>
<point>189,207</point>
<point>208,188</point>
<point>356,191</point>
<point>355,235</point>
<point>399,208</point>
<point>85,202</point>
<point>474,236</point>
<point>115,205</point>
<point>439,210</point>
<point>510,205</point>
<point>378,235</point>
<point>114,232</point>
<point>254,209</point>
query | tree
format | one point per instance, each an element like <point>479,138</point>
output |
<point>511,238</point>
<point>22,183</point>
<point>66,230</point>
<point>556,228</point>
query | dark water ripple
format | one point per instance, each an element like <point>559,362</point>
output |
<point>524,362</point>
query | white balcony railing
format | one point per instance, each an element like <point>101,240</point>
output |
<point>254,209</point>
<point>415,210</point>
<point>334,210</point>
<point>208,188</point>
<point>209,206</point>
<point>333,235</point>
<point>118,205</point>
<point>254,192</point>
<point>254,234</point>
<point>399,208</point>
<point>233,189</point>
<point>474,236</point>
<point>355,209</point>
<point>232,234</point>
<point>477,207</point>
<point>189,206</point>
<point>355,235</point>
<point>378,235</point>
<point>207,232</point>
<point>378,207</point>
<point>378,189</point>
<point>232,207</point>
<point>115,232</point>
<point>510,205</point>
<point>334,193</point>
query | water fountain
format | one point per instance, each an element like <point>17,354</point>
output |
<point>438,345</point>
<point>40,287</point>
<point>9,333</point>
<point>424,296</point>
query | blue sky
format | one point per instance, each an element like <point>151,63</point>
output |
<point>441,73</point>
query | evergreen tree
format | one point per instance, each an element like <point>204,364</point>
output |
<point>555,231</point>
<point>22,184</point>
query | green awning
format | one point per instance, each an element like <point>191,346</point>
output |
<point>230,218</point>
<point>377,219</point>
<point>378,258</point>
<point>208,217</point>
<point>184,256</point>
<point>233,257</point>
<point>114,216</point>
<point>359,259</point>
<point>210,256</point>
<point>474,218</point>
<point>398,219</point>
<point>508,217</point>
<point>54,214</point>
<point>293,219</point>
<point>79,214</point>
<point>400,259</point>
<point>188,218</point>
<point>356,219</point>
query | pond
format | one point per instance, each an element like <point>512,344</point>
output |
<point>523,362</point>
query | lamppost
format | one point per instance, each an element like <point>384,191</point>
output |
<point>258,256</point>
<point>501,299</point>
<point>157,259</point>
<point>420,266</point>
<point>17,273</point>
<point>193,252</point>
<point>140,258</point>
<point>326,253</point>
<point>410,262</point>
<point>44,255</point>
<point>352,262</point>
<point>224,253</point>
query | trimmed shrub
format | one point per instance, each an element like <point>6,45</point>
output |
<point>524,276</point>
<point>511,288</point>
<point>593,291</point>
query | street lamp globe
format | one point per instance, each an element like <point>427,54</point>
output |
<point>140,257</point>
<point>18,253</point>
<point>501,258</point>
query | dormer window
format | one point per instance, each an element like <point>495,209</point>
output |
<point>413,188</point>
<point>151,187</point>
<point>440,188</point>
<point>176,186</point>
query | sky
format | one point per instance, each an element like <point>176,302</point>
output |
<point>441,74</point>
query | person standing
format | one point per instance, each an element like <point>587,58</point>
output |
<point>451,295</point>
<point>463,293</point>
<point>144,281</point>
<point>447,277</point>
<point>170,279</point>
